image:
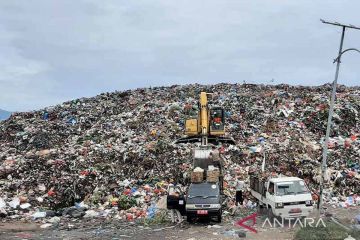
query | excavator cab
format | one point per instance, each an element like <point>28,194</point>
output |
<point>217,121</point>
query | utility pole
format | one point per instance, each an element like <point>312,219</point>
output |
<point>331,110</point>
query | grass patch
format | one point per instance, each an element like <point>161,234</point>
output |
<point>332,231</point>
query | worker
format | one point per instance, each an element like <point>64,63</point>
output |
<point>175,213</point>
<point>271,189</point>
<point>239,191</point>
<point>217,119</point>
<point>215,156</point>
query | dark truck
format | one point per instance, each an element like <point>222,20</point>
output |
<point>203,200</point>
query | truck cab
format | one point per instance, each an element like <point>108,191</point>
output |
<point>286,197</point>
<point>203,200</point>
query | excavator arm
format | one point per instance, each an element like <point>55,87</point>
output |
<point>204,118</point>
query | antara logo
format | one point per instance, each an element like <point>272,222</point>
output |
<point>306,222</point>
<point>290,222</point>
<point>248,218</point>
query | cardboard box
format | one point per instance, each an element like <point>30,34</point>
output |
<point>197,177</point>
<point>212,175</point>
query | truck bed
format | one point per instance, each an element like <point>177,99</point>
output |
<point>257,187</point>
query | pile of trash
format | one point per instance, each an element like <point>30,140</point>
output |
<point>117,151</point>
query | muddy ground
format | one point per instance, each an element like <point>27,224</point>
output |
<point>116,230</point>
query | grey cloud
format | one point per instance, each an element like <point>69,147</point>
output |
<point>54,51</point>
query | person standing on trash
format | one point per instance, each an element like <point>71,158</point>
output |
<point>215,155</point>
<point>240,184</point>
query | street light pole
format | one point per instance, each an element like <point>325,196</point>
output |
<point>331,110</point>
<point>328,127</point>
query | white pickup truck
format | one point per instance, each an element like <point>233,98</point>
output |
<point>286,197</point>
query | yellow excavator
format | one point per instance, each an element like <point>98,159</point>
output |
<point>208,127</point>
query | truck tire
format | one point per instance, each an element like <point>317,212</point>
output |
<point>270,214</point>
<point>262,210</point>
<point>218,218</point>
<point>189,219</point>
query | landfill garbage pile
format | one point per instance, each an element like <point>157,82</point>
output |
<point>116,150</point>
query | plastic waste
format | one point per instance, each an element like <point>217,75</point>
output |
<point>91,214</point>
<point>81,205</point>
<point>2,203</point>
<point>151,211</point>
<point>45,225</point>
<point>37,215</point>
<point>15,202</point>
<point>25,205</point>
<point>349,237</point>
<point>229,233</point>
<point>54,220</point>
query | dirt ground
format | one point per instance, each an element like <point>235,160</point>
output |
<point>115,229</point>
<point>202,230</point>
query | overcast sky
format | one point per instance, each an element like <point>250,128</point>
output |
<point>53,51</point>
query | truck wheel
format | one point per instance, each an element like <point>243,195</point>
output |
<point>261,209</point>
<point>218,218</point>
<point>270,214</point>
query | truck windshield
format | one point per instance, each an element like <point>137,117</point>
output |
<point>204,190</point>
<point>290,188</point>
